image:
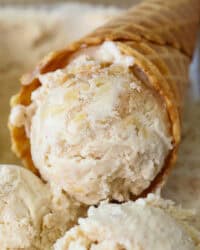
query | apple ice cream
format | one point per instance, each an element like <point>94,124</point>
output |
<point>96,131</point>
<point>146,224</point>
<point>32,215</point>
<point>24,200</point>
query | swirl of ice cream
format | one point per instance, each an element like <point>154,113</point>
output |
<point>147,224</point>
<point>96,131</point>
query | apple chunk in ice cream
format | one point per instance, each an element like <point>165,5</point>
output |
<point>95,130</point>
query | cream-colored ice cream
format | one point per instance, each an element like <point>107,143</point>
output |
<point>32,215</point>
<point>95,130</point>
<point>147,224</point>
<point>64,213</point>
<point>24,200</point>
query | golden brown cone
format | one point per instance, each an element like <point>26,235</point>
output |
<point>164,22</point>
<point>162,56</point>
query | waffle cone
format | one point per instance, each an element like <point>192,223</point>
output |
<point>171,22</point>
<point>156,34</point>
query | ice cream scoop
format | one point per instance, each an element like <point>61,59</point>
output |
<point>95,130</point>
<point>24,200</point>
<point>147,224</point>
<point>32,214</point>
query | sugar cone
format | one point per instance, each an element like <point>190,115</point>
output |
<point>156,34</point>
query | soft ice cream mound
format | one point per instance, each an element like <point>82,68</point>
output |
<point>24,200</point>
<point>96,131</point>
<point>32,215</point>
<point>147,224</point>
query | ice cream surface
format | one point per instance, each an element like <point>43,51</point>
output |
<point>32,215</point>
<point>147,224</point>
<point>64,213</point>
<point>96,131</point>
<point>24,200</point>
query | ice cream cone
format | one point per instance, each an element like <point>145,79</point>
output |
<point>160,35</point>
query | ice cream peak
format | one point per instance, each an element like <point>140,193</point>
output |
<point>150,224</point>
<point>96,131</point>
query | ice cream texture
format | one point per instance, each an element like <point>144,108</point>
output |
<point>24,200</point>
<point>64,213</point>
<point>31,216</point>
<point>96,131</point>
<point>146,224</point>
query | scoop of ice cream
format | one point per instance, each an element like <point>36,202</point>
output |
<point>24,201</point>
<point>147,224</point>
<point>32,214</point>
<point>96,131</point>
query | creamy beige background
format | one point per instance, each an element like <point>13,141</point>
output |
<point>26,34</point>
<point>124,3</point>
